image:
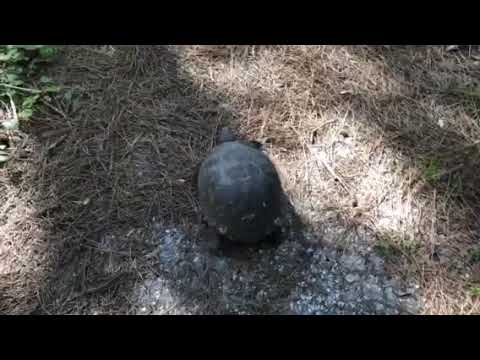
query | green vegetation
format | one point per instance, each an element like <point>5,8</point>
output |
<point>392,247</point>
<point>475,256</point>
<point>21,86</point>
<point>475,291</point>
<point>433,170</point>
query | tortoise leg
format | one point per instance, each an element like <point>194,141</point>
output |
<point>214,242</point>
<point>210,238</point>
<point>274,238</point>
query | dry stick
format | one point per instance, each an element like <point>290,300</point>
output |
<point>451,170</point>
<point>153,253</point>
<point>54,108</point>
<point>109,251</point>
<point>174,306</point>
<point>32,91</point>
<point>475,143</point>
<point>332,172</point>
<point>14,108</point>
<point>94,289</point>
<point>52,133</point>
<point>57,142</point>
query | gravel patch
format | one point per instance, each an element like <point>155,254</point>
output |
<point>291,278</point>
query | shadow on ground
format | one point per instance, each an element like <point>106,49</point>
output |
<point>131,131</point>
<point>119,154</point>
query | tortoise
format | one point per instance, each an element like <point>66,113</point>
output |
<point>239,193</point>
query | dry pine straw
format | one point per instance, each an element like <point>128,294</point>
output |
<point>379,116</point>
<point>350,128</point>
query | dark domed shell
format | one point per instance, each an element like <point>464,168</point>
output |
<point>239,192</point>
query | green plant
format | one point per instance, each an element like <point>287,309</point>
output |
<point>475,256</point>
<point>433,170</point>
<point>475,291</point>
<point>393,247</point>
<point>20,81</point>
<point>388,251</point>
<point>456,184</point>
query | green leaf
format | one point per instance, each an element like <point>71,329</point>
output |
<point>475,255</point>
<point>18,65</point>
<point>25,114</point>
<point>5,57</point>
<point>29,101</point>
<point>11,77</point>
<point>29,47</point>
<point>45,80</point>
<point>475,291</point>
<point>47,52</point>
<point>14,55</point>
<point>52,88</point>
<point>8,92</point>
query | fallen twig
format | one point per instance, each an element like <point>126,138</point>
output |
<point>33,91</point>
<point>331,171</point>
<point>95,289</point>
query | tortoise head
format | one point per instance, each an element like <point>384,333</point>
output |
<point>226,135</point>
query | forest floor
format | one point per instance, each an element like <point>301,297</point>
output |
<point>377,148</point>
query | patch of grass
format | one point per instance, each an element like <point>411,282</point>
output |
<point>388,251</point>
<point>475,291</point>
<point>456,185</point>
<point>471,91</point>
<point>393,248</point>
<point>475,256</point>
<point>433,170</point>
<point>468,96</point>
<point>20,80</point>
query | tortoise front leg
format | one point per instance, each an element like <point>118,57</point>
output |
<point>210,237</point>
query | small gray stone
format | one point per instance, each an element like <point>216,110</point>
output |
<point>353,262</point>
<point>410,306</point>
<point>390,296</point>
<point>391,311</point>
<point>350,278</point>
<point>372,291</point>
<point>350,296</point>
<point>378,263</point>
